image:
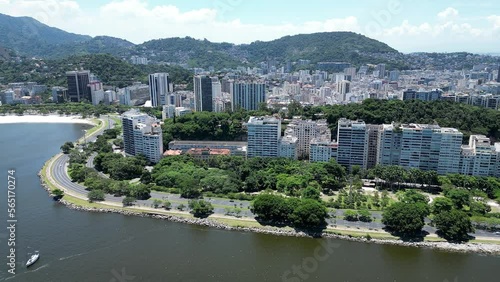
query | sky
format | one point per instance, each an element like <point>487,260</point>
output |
<point>406,25</point>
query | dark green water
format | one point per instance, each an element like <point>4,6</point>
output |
<point>80,246</point>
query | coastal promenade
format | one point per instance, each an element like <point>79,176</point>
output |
<point>56,173</point>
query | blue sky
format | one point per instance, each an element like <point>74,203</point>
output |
<point>406,25</point>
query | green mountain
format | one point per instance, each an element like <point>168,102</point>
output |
<point>32,38</point>
<point>29,36</point>
<point>317,47</point>
<point>97,45</point>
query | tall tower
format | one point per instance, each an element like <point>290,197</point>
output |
<point>203,93</point>
<point>78,89</point>
<point>248,95</point>
<point>158,88</point>
<point>353,143</point>
<point>264,134</point>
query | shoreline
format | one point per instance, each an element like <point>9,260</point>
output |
<point>477,248</point>
<point>234,225</point>
<point>13,119</point>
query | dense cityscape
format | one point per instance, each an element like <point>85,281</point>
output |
<point>327,137</point>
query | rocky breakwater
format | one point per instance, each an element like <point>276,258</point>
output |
<point>488,249</point>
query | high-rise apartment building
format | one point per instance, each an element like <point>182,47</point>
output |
<point>394,75</point>
<point>480,158</point>
<point>421,146</point>
<point>322,150</point>
<point>264,135</point>
<point>159,89</point>
<point>78,86</point>
<point>305,131</point>
<point>353,143</point>
<point>380,69</point>
<point>59,94</point>
<point>288,147</point>
<point>203,93</point>
<point>343,87</point>
<point>389,144</point>
<point>248,95</point>
<point>142,136</point>
<point>423,95</point>
<point>96,92</point>
<point>372,145</point>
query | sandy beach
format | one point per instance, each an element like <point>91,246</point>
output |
<point>43,119</point>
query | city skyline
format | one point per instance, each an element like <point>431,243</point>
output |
<point>446,26</point>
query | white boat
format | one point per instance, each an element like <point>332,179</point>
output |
<point>33,259</point>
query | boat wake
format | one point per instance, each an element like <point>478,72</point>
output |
<point>22,273</point>
<point>129,239</point>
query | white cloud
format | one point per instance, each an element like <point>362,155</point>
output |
<point>448,13</point>
<point>137,21</point>
<point>495,21</point>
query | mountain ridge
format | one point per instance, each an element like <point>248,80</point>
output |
<point>30,37</point>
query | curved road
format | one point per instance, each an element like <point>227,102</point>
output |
<point>60,175</point>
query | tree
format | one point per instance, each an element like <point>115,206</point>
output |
<point>405,219</point>
<point>350,215</point>
<point>479,208</point>
<point>128,201</point>
<point>271,208</point>
<point>412,196</point>
<point>453,225</point>
<point>459,197</point>
<point>311,192</point>
<point>441,204</point>
<point>309,214</point>
<point>364,216</point>
<point>140,191</point>
<point>181,207</point>
<point>78,172</point>
<point>96,195</point>
<point>66,148</point>
<point>167,205</point>
<point>201,208</point>
<point>385,199</point>
<point>157,203</point>
<point>57,194</point>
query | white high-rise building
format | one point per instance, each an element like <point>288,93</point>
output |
<point>159,88</point>
<point>480,158</point>
<point>389,145</point>
<point>325,92</point>
<point>421,146</point>
<point>288,147</point>
<point>343,87</point>
<point>305,131</point>
<point>96,92</point>
<point>264,135</point>
<point>142,136</point>
<point>353,143</point>
<point>322,150</point>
